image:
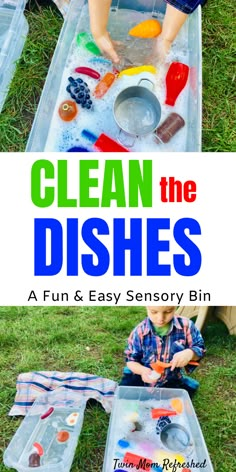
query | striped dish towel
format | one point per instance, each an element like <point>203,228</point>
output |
<point>30,385</point>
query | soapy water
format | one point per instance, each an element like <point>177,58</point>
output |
<point>100,119</point>
<point>145,442</point>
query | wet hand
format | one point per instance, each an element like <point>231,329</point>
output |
<point>161,48</point>
<point>146,372</point>
<point>107,46</point>
<point>181,359</point>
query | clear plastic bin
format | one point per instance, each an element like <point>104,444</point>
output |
<point>140,430</point>
<point>13,32</point>
<point>45,136</point>
<point>48,435</point>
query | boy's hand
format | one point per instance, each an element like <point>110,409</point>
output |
<point>106,46</point>
<point>182,358</point>
<point>146,372</point>
<point>160,50</point>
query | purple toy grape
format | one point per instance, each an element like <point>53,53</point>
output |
<point>79,91</point>
<point>161,423</point>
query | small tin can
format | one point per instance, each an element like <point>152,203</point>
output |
<point>172,124</point>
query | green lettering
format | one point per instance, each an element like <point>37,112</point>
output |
<point>40,167</point>
<point>86,182</point>
<point>62,184</point>
<point>140,182</point>
<point>113,184</point>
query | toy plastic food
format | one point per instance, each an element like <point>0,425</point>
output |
<point>39,448</point>
<point>68,110</point>
<point>106,144</point>
<point>63,436</point>
<point>47,413</point>
<point>84,39</point>
<point>176,79</point>
<point>104,84</point>
<point>34,460</point>
<point>177,405</point>
<point>138,70</point>
<point>158,412</point>
<point>88,71</point>
<point>134,459</point>
<point>103,143</point>
<point>146,29</point>
<point>166,457</point>
<point>80,92</point>
<point>72,419</point>
<point>172,124</point>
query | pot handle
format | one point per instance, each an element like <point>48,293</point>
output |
<point>125,143</point>
<point>149,87</point>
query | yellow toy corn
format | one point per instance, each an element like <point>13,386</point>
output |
<point>138,70</point>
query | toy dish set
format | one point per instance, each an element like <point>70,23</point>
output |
<point>152,429</point>
<point>48,436</point>
<point>149,428</point>
<point>85,92</point>
<point>13,32</point>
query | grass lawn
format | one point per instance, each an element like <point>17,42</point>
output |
<point>55,338</point>
<point>219,111</point>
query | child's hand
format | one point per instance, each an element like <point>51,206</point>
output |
<point>106,46</point>
<point>146,372</point>
<point>160,50</point>
<point>182,358</point>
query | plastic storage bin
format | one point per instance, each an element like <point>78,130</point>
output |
<point>48,435</point>
<point>140,432</point>
<point>46,120</point>
<point>13,32</point>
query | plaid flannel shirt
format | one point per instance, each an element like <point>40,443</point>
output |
<point>145,346</point>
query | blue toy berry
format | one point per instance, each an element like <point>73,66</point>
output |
<point>161,423</point>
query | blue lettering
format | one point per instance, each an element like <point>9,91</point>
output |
<point>155,246</point>
<point>189,247</point>
<point>122,244</point>
<point>97,247</point>
<point>41,225</point>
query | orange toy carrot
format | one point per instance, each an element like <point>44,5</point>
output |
<point>160,366</point>
<point>146,29</point>
<point>158,412</point>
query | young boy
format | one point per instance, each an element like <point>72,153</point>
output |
<point>175,16</point>
<point>166,337</point>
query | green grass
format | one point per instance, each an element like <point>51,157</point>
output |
<point>219,111</point>
<point>18,113</point>
<point>55,338</point>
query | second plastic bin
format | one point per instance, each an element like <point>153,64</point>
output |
<point>13,32</point>
<point>48,436</point>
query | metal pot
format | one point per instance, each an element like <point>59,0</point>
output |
<point>137,111</point>
<point>175,437</point>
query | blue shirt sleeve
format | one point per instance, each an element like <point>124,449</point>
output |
<point>195,343</point>
<point>134,351</point>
